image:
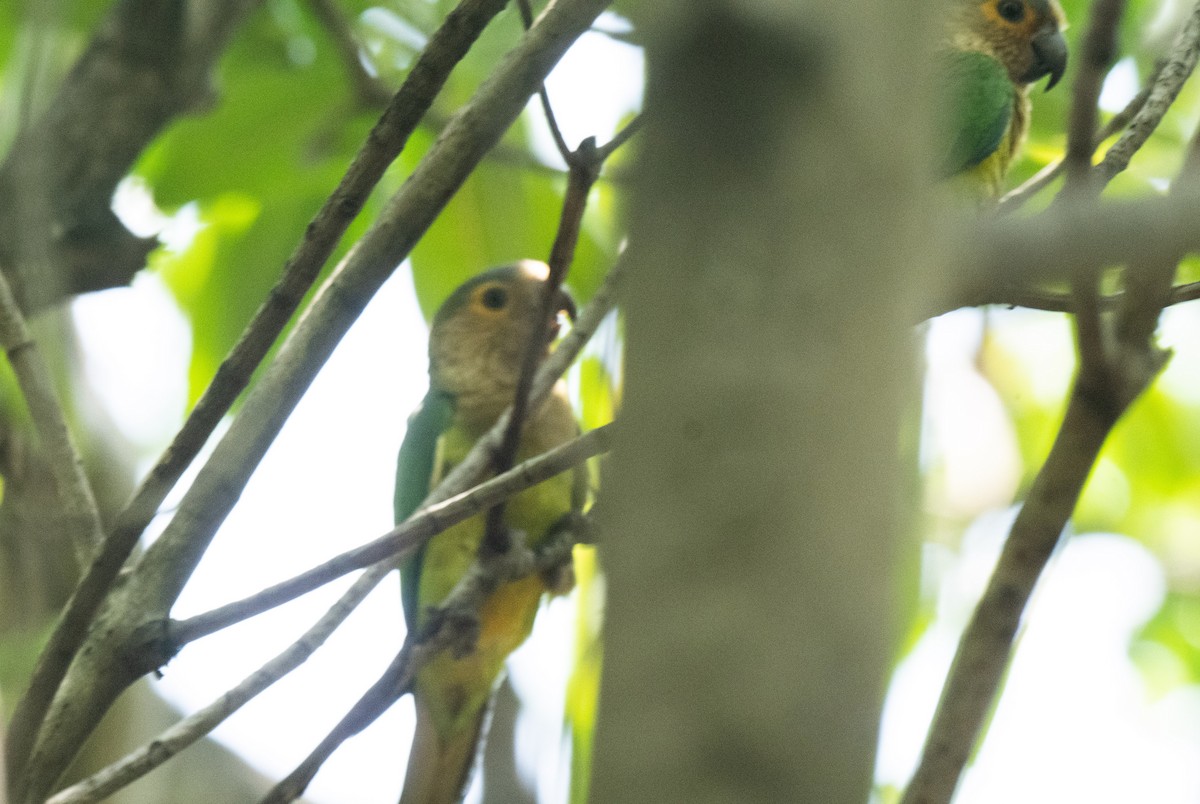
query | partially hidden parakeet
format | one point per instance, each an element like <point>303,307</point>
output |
<point>476,345</point>
<point>992,52</point>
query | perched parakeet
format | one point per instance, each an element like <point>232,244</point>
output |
<point>476,346</point>
<point>992,52</point>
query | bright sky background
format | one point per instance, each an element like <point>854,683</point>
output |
<point>1076,722</point>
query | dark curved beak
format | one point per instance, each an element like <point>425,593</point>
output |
<point>1049,56</point>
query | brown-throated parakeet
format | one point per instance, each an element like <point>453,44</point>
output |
<point>992,51</point>
<point>476,344</point>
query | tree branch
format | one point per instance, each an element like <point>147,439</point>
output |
<point>993,256</point>
<point>453,626</point>
<point>1099,52</point>
<point>387,138</point>
<point>192,728</point>
<point>101,673</point>
<point>74,491</point>
<point>450,493</point>
<point>1180,63</point>
<point>398,543</point>
<point>1016,198</point>
<point>1118,360</point>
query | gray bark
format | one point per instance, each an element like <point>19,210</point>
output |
<point>756,513</point>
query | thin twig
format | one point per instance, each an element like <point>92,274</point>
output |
<point>388,137</point>
<point>402,540</point>
<point>579,183</point>
<point>187,731</point>
<point>167,563</point>
<point>1098,54</point>
<point>1017,198</point>
<point>560,142</point>
<point>620,138</point>
<point>371,92</point>
<point>1063,302</point>
<point>452,627</point>
<point>74,492</point>
<point>1179,65</point>
<point>1096,57</point>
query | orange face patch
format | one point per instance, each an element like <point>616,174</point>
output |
<point>1019,17</point>
<point>491,299</point>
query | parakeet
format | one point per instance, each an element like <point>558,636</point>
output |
<point>992,52</point>
<point>476,345</point>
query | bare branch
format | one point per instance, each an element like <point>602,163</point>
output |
<point>560,143</point>
<point>996,255</point>
<point>388,137</point>
<point>453,626</point>
<point>401,541</point>
<point>1098,53</point>
<point>103,670</point>
<point>1016,198</point>
<point>1180,63</point>
<point>74,491</point>
<point>195,726</point>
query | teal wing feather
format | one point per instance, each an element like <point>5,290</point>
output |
<point>414,476</point>
<point>977,108</point>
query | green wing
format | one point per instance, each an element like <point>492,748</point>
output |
<point>977,109</point>
<point>414,474</point>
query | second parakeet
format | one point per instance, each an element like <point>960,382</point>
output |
<point>476,344</point>
<point>992,52</point>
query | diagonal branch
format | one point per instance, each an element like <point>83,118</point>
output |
<point>398,543</point>
<point>74,490</point>
<point>1016,198</point>
<point>455,625</point>
<point>584,165</point>
<point>388,137</point>
<point>1180,64</point>
<point>197,725</point>
<point>102,671</point>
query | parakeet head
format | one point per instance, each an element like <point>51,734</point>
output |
<point>480,333</point>
<point>1023,35</point>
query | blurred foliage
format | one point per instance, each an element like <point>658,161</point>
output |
<point>1146,485</point>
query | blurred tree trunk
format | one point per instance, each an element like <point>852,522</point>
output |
<point>756,511</point>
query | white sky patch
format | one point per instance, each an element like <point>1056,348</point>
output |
<point>1075,722</point>
<point>596,85</point>
<point>135,341</point>
<point>1120,85</point>
<point>324,487</point>
<point>968,445</point>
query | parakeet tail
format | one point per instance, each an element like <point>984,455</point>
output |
<point>438,771</point>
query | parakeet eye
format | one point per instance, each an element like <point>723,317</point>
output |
<point>1011,10</point>
<point>494,298</point>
